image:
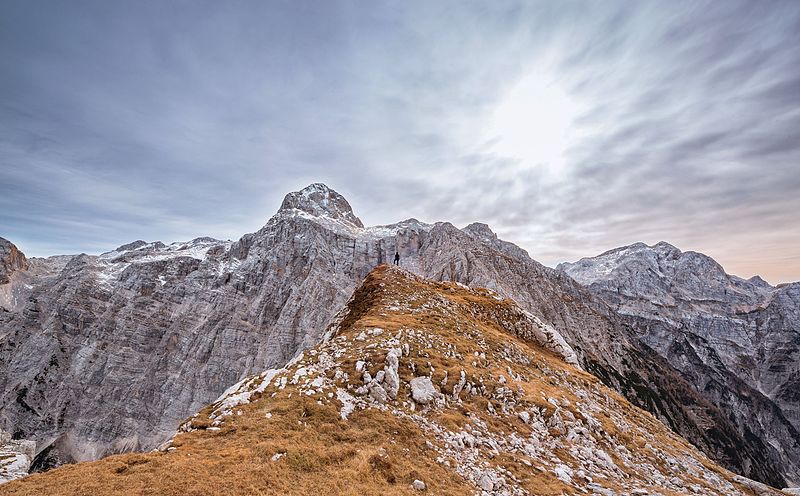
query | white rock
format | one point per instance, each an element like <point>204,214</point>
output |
<point>348,403</point>
<point>563,473</point>
<point>459,385</point>
<point>598,489</point>
<point>418,485</point>
<point>16,457</point>
<point>377,393</point>
<point>757,487</point>
<point>422,390</point>
<point>486,483</point>
<point>391,378</point>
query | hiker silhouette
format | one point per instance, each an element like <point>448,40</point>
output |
<point>397,258</point>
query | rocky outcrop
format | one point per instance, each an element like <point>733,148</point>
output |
<point>735,340</point>
<point>16,456</point>
<point>11,260</point>
<point>107,353</point>
<point>479,409</point>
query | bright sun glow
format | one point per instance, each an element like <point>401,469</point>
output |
<point>533,121</point>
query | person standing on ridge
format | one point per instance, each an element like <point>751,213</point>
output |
<point>397,258</point>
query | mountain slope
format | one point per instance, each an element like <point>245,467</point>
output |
<point>736,340</point>
<point>171,326</point>
<point>419,386</point>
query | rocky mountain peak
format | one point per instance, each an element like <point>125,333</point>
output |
<point>11,260</point>
<point>319,200</point>
<point>132,245</point>
<point>665,247</point>
<point>480,229</point>
<point>661,261</point>
<point>758,281</point>
<point>484,234</point>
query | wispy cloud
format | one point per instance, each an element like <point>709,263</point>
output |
<point>166,121</point>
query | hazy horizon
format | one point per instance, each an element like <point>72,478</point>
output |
<point>571,128</point>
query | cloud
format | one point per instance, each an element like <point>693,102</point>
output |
<point>145,120</point>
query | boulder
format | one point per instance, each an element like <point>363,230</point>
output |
<point>422,390</point>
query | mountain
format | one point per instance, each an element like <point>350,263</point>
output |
<point>418,386</point>
<point>737,341</point>
<point>106,354</point>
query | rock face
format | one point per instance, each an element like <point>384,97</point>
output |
<point>11,260</point>
<point>16,457</point>
<point>481,409</point>
<point>103,354</point>
<point>737,341</point>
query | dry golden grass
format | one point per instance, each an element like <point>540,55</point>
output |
<point>373,452</point>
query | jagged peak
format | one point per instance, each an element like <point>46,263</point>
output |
<point>319,200</point>
<point>758,281</point>
<point>663,260</point>
<point>480,229</point>
<point>664,246</point>
<point>133,245</point>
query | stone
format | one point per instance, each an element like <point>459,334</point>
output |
<point>563,473</point>
<point>757,487</point>
<point>16,457</point>
<point>422,390</point>
<point>486,482</point>
<point>418,485</point>
<point>377,393</point>
<point>391,378</point>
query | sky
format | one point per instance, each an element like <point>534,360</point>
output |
<point>569,127</point>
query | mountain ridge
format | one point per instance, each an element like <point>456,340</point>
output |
<point>417,386</point>
<point>179,323</point>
